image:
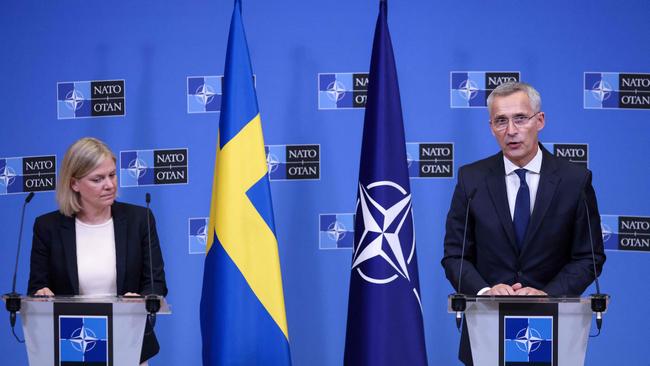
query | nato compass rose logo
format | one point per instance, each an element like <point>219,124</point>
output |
<point>387,229</point>
<point>204,94</point>
<point>335,91</point>
<point>609,226</point>
<point>272,162</point>
<point>198,234</point>
<point>137,168</point>
<point>336,231</point>
<point>528,340</point>
<point>601,90</point>
<point>606,231</point>
<point>74,100</point>
<point>468,89</point>
<point>83,339</point>
<point>7,176</point>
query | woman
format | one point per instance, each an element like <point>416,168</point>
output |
<point>94,245</point>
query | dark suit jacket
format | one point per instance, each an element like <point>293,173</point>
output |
<point>53,262</point>
<point>556,254</point>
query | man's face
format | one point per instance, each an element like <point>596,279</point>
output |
<point>518,143</point>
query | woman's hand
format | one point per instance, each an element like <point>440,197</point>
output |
<point>44,292</point>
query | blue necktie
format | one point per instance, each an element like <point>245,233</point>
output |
<point>522,208</point>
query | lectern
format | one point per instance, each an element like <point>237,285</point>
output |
<point>518,330</point>
<point>84,330</point>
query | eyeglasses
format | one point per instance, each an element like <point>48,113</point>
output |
<point>520,120</point>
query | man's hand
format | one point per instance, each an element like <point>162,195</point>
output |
<point>503,290</point>
<point>530,291</point>
<point>44,292</point>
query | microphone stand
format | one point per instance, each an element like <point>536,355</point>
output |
<point>598,300</point>
<point>458,299</point>
<point>152,301</point>
<point>12,299</point>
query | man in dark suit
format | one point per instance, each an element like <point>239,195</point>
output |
<point>529,213</point>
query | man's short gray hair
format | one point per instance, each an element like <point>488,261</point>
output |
<point>506,89</point>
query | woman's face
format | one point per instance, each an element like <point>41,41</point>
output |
<point>98,188</point>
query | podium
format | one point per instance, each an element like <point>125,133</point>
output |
<point>517,330</point>
<point>93,330</point>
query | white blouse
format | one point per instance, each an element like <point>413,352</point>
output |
<point>96,258</point>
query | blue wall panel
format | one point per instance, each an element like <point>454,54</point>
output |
<point>155,46</point>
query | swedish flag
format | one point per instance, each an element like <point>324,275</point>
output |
<point>243,320</point>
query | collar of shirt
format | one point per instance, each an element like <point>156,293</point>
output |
<point>532,179</point>
<point>533,166</point>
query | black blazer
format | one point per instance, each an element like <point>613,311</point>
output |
<point>53,262</point>
<point>556,253</point>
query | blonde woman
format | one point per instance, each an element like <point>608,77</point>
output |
<point>94,245</point>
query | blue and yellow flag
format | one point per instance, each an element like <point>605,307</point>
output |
<point>243,320</point>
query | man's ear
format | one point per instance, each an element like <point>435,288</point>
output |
<point>541,122</point>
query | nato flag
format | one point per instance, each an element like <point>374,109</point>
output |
<point>384,311</point>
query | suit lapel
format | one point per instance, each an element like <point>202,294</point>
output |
<point>496,183</point>
<point>69,240</point>
<point>120,228</point>
<point>548,183</point>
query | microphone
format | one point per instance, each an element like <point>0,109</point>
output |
<point>12,299</point>
<point>152,302</point>
<point>598,300</point>
<point>458,300</point>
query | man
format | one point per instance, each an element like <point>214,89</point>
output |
<point>527,230</point>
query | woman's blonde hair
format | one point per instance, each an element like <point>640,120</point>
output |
<point>81,158</point>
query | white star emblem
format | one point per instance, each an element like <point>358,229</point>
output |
<point>7,176</point>
<point>336,231</point>
<point>74,99</point>
<point>83,339</point>
<point>371,243</point>
<point>272,162</point>
<point>137,168</point>
<point>528,340</point>
<point>601,90</point>
<point>202,234</point>
<point>336,90</point>
<point>204,94</point>
<point>468,89</point>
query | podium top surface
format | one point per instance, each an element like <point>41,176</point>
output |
<point>529,299</point>
<point>486,300</point>
<point>164,307</point>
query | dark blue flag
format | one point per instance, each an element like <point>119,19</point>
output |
<point>384,311</point>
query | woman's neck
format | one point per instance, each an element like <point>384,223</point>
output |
<point>94,216</point>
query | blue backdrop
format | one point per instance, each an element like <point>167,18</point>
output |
<point>577,54</point>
